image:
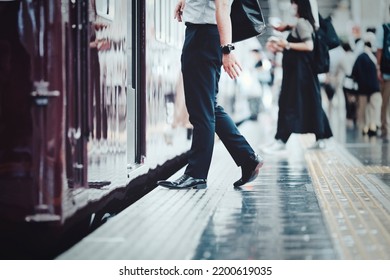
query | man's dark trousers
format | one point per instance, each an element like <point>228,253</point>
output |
<point>201,67</point>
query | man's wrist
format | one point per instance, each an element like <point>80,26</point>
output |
<point>228,48</point>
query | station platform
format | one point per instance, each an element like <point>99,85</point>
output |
<point>305,204</point>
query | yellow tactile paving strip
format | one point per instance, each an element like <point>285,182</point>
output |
<point>354,202</point>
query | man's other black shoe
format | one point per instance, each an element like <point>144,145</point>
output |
<point>250,170</point>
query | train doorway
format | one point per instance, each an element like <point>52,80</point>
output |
<point>103,64</point>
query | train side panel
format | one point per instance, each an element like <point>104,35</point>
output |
<point>90,94</point>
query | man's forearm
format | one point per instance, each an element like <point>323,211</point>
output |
<point>223,21</point>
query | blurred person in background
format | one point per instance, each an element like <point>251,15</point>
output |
<point>383,72</point>
<point>357,42</point>
<point>369,97</point>
<point>300,106</point>
<point>343,70</point>
<point>314,10</point>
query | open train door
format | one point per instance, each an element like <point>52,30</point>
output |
<point>112,92</point>
<point>101,92</point>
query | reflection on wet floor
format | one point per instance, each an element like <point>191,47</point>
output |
<point>278,217</point>
<point>305,204</point>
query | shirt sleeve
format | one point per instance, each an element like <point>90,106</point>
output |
<point>379,37</point>
<point>303,30</point>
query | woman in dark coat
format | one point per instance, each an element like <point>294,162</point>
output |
<point>300,106</point>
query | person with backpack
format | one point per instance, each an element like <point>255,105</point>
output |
<point>300,105</point>
<point>314,10</point>
<point>383,71</point>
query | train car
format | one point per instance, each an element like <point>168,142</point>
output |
<point>91,114</point>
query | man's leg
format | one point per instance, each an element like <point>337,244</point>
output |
<point>235,143</point>
<point>199,64</point>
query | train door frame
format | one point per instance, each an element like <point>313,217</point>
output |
<point>79,124</point>
<point>132,87</point>
<point>77,80</point>
<point>135,103</point>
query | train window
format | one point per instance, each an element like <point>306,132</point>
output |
<point>105,8</point>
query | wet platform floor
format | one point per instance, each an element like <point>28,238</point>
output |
<point>305,204</point>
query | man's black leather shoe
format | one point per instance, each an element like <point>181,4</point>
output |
<point>250,170</point>
<point>184,182</point>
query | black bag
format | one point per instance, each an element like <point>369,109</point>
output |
<point>321,59</point>
<point>247,20</point>
<point>331,37</point>
<point>325,39</point>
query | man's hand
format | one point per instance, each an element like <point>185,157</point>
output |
<point>222,13</point>
<point>231,66</point>
<point>179,10</point>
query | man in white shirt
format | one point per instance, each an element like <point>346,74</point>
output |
<point>207,47</point>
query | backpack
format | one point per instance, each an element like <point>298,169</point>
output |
<point>325,39</point>
<point>385,61</point>
<point>321,58</point>
<point>331,37</point>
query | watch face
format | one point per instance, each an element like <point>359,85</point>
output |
<point>227,49</point>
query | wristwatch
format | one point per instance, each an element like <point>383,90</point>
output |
<point>226,49</point>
